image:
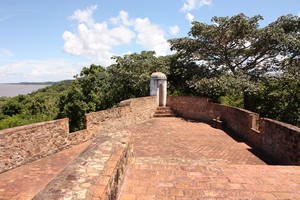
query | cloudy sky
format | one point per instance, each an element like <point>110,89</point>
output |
<point>52,40</point>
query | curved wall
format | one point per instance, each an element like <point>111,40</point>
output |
<point>279,139</point>
<point>27,143</point>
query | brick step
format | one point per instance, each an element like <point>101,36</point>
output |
<point>164,108</point>
<point>164,112</point>
<point>164,115</point>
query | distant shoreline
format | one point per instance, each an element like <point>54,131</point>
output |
<point>15,89</point>
<point>30,83</point>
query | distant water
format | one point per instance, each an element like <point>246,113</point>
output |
<point>11,90</point>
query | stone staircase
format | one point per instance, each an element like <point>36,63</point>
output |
<point>164,112</point>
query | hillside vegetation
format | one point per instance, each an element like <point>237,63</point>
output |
<point>232,61</point>
<point>38,106</point>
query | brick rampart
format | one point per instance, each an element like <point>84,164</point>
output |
<point>280,140</point>
<point>129,112</point>
<point>27,143</point>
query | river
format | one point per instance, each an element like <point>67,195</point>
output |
<point>11,90</point>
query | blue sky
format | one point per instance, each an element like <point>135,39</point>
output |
<point>52,40</point>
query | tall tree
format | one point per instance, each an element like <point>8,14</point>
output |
<point>86,94</point>
<point>235,47</point>
<point>130,76</point>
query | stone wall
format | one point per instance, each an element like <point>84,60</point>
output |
<point>276,138</point>
<point>28,143</point>
<point>281,139</point>
<point>110,182</point>
<point>129,112</point>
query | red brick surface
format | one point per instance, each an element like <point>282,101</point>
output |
<point>24,182</point>
<point>180,139</point>
<point>177,159</point>
<point>163,181</point>
<point>172,159</point>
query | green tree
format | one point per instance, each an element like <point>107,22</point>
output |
<point>38,106</point>
<point>280,98</point>
<point>182,74</point>
<point>235,48</point>
<point>86,94</point>
<point>130,76</point>
<point>12,107</point>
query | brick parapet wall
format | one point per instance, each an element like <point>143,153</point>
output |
<point>129,112</point>
<point>197,108</point>
<point>239,121</point>
<point>276,138</point>
<point>281,139</point>
<point>27,143</point>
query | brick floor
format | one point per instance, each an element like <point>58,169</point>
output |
<point>177,159</point>
<point>172,159</point>
<point>163,181</point>
<point>24,182</point>
<point>180,139</point>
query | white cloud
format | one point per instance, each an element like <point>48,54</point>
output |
<point>190,5</point>
<point>84,16</point>
<point>150,36</point>
<point>39,70</point>
<point>173,30</point>
<point>5,53</point>
<point>189,17</point>
<point>121,19</point>
<point>97,40</point>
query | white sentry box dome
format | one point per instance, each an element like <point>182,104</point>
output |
<point>158,87</point>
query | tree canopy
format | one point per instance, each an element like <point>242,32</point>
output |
<point>243,60</point>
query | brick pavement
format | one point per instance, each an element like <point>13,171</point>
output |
<point>177,159</point>
<point>24,182</point>
<point>172,159</point>
<point>180,139</point>
<point>164,181</point>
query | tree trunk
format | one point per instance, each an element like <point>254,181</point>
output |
<point>247,103</point>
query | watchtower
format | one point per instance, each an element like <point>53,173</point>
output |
<point>158,87</point>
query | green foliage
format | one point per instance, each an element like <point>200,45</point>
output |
<point>12,107</point>
<point>130,76</point>
<point>234,61</point>
<point>97,88</point>
<point>229,44</point>
<point>181,74</point>
<point>280,99</point>
<point>85,95</point>
<point>22,119</point>
<point>3,101</point>
<point>232,100</point>
<point>35,107</point>
<point>232,46</point>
